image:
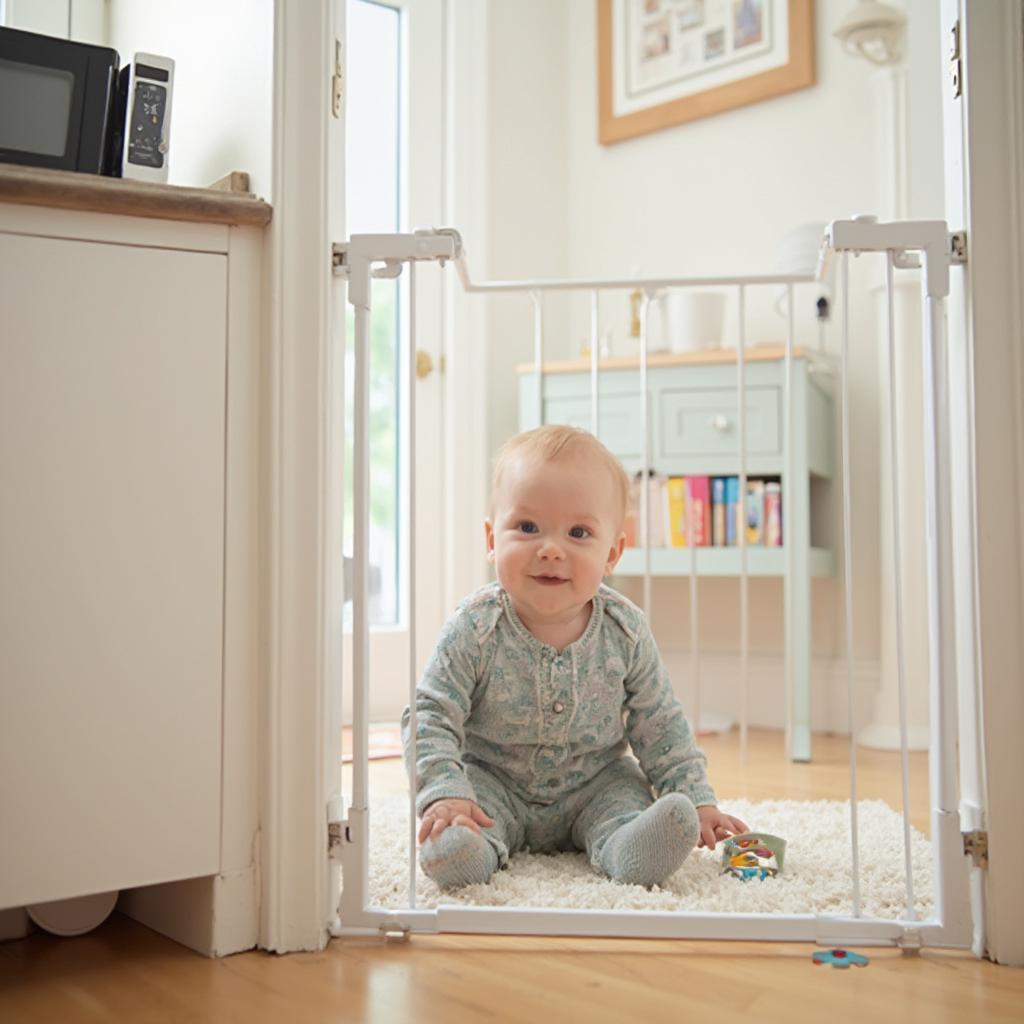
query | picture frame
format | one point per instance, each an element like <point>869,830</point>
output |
<point>666,62</point>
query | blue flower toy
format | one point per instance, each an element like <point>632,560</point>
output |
<point>841,958</point>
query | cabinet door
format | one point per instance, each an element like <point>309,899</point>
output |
<point>112,420</point>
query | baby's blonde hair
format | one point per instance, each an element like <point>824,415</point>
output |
<point>552,442</point>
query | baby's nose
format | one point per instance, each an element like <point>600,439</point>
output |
<point>550,549</point>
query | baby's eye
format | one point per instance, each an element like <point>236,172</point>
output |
<point>526,526</point>
<point>579,532</point>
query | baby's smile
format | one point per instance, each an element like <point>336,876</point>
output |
<point>549,581</point>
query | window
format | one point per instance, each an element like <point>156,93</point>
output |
<point>372,204</point>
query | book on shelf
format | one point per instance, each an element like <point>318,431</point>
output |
<point>718,512</point>
<point>698,507</point>
<point>675,489</point>
<point>755,512</point>
<point>733,511</point>
<point>772,514</point>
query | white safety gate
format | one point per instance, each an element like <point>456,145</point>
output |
<point>924,244</point>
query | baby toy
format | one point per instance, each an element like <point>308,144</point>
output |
<point>753,855</point>
<point>841,958</point>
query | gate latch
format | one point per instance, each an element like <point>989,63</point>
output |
<point>976,846</point>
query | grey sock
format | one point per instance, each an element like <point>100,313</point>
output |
<point>458,857</point>
<point>646,850</point>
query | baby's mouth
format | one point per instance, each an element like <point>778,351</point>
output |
<point>550,581</point>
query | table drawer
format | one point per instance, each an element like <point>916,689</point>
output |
<point>619,416</point>
<point>705,421</point>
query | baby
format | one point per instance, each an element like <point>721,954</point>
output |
<point>538,681</point>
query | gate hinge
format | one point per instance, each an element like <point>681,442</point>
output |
<point>958,247</point>
<point>976,846</point>
<point>339,262</point>
<point>337,828</point>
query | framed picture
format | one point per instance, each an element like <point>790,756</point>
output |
<point>665,62</point>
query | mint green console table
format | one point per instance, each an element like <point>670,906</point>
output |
<point>693,410</point>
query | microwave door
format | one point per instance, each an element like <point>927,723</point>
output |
<point>55,102</point>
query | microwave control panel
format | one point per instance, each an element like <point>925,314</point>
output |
<point>147,88</point>
<point>146,144</point>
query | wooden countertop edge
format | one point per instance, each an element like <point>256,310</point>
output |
<point>36,186</point>
<point>755,354</point>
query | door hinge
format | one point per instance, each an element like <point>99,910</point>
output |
<point>336,80</point>
<point>956,68</point>
<point>976,846</point>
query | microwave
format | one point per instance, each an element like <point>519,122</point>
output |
<point>70,106</point>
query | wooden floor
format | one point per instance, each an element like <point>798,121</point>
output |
<point>124,972</point>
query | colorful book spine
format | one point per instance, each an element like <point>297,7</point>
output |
<point>698,504</point>
<point>773,514</point>
<point>718,511</point>
<point>657,512</point>
<point>676,490</point>
<point>733,511</point>
<point>755,512</point>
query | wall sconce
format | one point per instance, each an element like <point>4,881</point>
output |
<point>873,31</point>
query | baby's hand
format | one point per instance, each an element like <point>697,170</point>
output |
<point>714,825</point>
<point>442,813</point>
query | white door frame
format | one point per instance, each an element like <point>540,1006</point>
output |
<point>301,707</point>
<point>984,151</point>
<point>300,720</point>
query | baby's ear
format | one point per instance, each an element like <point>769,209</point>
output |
<point>615,553</point>
<point>489,534</point>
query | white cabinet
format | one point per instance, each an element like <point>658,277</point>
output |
<point>111,561</point>
<point>127,586</point>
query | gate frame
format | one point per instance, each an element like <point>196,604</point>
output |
<point>911,243</point>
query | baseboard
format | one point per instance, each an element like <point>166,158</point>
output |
<point>216,915</point>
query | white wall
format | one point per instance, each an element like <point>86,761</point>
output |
<point>715,196</point>
<point>528,183</point>
<point>221,119</point>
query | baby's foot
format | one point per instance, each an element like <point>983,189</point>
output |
<point>458,857</point>
<point>646,850</point>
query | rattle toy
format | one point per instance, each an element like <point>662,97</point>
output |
<point>753,855</point>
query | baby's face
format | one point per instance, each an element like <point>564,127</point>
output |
<point>556,533</point>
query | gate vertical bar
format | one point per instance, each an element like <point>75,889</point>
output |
<point>740,526</point>
<point>410,369</point>
<point>788,546</point>
<point>894,481</point>
<point>645,470</point>
<point>595,335</point>
<point>538,351</point>
<point>359,812</point>
<point>691,534</point>
<point>951,906</point>
<point>848,583</point>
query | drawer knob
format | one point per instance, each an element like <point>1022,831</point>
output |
<point>720,423</point>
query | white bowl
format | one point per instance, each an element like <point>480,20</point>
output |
<point>695,320</point>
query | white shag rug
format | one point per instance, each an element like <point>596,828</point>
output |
<point>817,878</point>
